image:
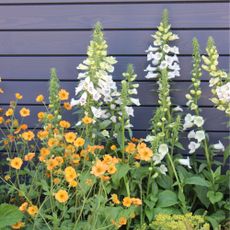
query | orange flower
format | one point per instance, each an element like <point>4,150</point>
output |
<point>63,95</point>
<point>70,137</point>
<point>16,163</point>
<point>67,106</point>
<point>64,124</point>
<point>56,181</point>
<point>145,154</point>
<point>52,142</point>
<point>87,120</point>
<point>23,207</point>
<point>42,134</point>
<point>127,201</point>
<point>76,158</point>
<point>107,159</point>
<point>113,147</point>
<point>59,160</point>
<point>61,196</point>
<point>136,201</point>
<point>111,169</point>
<point>9,112</point>
<point>29,156</point>
<point>99,168</point>
<point>32,210</point>
<point>79,142</point>
<point>44,152</point>
<point>141,146</point>
<point>130,148</point>
<point>70,174</point>
<point>122,221</point>
<point>18,96</point>
<point>40,98</point>
<point>51,164</point>
<point>28,136</point>
<point>41,115</point>
<point>1,120</point>
<point>73,183</point>
<point>115,199</point>
<point>18,225</point>
<point>24,112</point>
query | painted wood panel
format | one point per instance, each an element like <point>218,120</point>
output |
<point>147,91</point>
<point>188,15</point>
<point>120,42</point>
<point>37,68</point>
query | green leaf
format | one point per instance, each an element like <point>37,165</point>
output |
<point>218,215</point>
<point>165,181</point>
<point>105,124</point>
<point>226,153</point>
<point>122,170</point>
<point>201,193</point>
<point>167,198</point>
<point>9,215</point>
<point>149,213</point>
<point>213,222</point>
<point>214,197</point>
<point>197,181</point>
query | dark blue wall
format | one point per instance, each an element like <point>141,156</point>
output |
<point>36,35</point>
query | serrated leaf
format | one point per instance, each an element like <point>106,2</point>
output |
<point>214,197</point>
<point>167,198</point>
<point>9,215</point>
<point>196,180</point>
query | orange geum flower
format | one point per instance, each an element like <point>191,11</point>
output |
<point>79,142</point>
<point>32,210</point>
<point>130,148</point>
<point>73,183</point>
<point>99,168</point>
<point>107,159</point>
<point>23,207</point>
<point>56,181</point>
<point>9,112</point>
<point>7,177</point>
<point>70,137</point>
<point>87,120</point>
<point>76,158</point>
<point>44,152</point>
<point>62,196</point>
<point>64,124</point>
<point>18,225</point>
<point>29,156</point>
<point>141,146</point>
<point>122,221</point>
<point>1,120</point>
<point>63,95</point>
<point>16,163</point>
<point>115,199</point>
<point>28,136</point>
<point>104,178</point>
<point>67,106</point>
<point>52,142</point>
<point>59,159</point>
<point>42,134</point>
<point>24,112</point>
<point>113,147</point>
<point>41,115</point>
<point>18,96</point>
<point>136,201</point>
<point>51,164</point>
<point>70,174</point>
<point>145,154</point>
<point>111,169</point>
<point>127,201</point>
<point>40,98</point>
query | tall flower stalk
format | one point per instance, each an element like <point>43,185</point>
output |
<point>96,92</point>
<point>219,79</point>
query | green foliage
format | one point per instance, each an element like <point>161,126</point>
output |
<point>9,215</point>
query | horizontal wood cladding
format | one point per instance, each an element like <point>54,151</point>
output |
<point>120,42</point>
<point>125,16</point>
<point>139,122</point>
<point>147,91</point>
<point>103,1</point>
<point>37,68</point>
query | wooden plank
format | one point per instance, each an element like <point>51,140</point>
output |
<point>139,122</point>
<point>200,15</point>
<point>120,42</point>
<point>147,91</point>
<point>99,1</point>
<point>13,68</point>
